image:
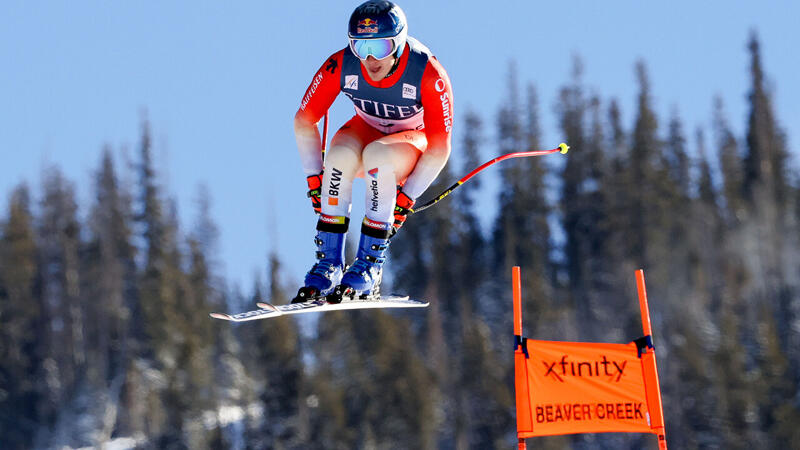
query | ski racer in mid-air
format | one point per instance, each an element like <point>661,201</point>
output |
<point>398,140</point>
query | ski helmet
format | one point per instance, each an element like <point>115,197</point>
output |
<point>377,28</point>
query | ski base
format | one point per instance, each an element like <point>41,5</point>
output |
<point>269,311</point>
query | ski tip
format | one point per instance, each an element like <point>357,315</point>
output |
<point>221,316</point>
<point>264,305</point>
<point>564,148</point>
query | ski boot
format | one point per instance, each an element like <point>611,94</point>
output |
<point>363,278</point>
<point>327,271</point>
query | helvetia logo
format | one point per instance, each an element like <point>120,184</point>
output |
<point>373,173</point>
<point>374,189</point>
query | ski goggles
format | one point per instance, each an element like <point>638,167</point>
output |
<point>377,48</point>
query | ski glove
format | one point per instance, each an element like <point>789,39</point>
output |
<point>402,208</point>
<point>315,191</point>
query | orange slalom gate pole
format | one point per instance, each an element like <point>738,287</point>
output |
<point>652,387</point>
<point>516,280</point>
<point>519,356</point>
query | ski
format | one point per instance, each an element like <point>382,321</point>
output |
<point>269,311</point>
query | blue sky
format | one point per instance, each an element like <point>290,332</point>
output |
<point>220,82</point>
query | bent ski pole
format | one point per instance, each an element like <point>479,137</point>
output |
<point>562,148</point>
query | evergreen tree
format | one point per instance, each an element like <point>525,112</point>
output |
<point>617,190</point>
<point>481,404</point>
<point>59,234</point>
<point>707,235</point>
<point>110,270</point>
<point>617,187</point>
<point>736,408</point>
<point>153,299</point>
<point>202,295</point>
<point>677,159</point>
<point>206,236</point>
<point>571,109</point>
<point>706,191</point>
<point>440,245</point>
<point>585,199</point>
<point>768,246</point>
<point>766,186</point>
<point>108,285</point>
<point>658,204</point>
<point>766,159</point>
<point>617,139</point>
<point>21,326</point>
<point>730,164</point>
<point>471,255</point>
<point>338,377</point>
<point>676,216</point>
<point>163,291</point>
<point>777,390</point>
<point>470,258</point>
<point>399,403</point>
<point>645,150</point>
<point>279,358</point>
<point>521,235</point>
<point>487,400</point>
<point>176,352</point>
<point>370,386</point>
<point>690,404</point>
<point>533,198</point>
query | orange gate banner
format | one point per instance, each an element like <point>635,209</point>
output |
<point>579,387</point>
<point>586,387</point>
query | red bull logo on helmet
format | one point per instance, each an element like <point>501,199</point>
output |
<point>367,26</point>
